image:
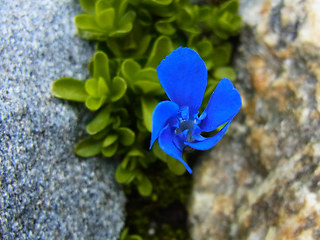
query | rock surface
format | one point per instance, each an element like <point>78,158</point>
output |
<point>262,181</point>
<point>47,192</point>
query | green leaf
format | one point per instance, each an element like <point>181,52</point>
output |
<point>204,13</point>
<point>105,19</point>
<point>126,136</point>
<point>101,5</point>
<point>225,72</point>
<point>121,31</point>
<point>221,55</point>
<point>231,6</point>
<point>144,17</point>
<point>144,186</point>
<point>70,89</point>
<point>124,234</point>
<point>95,103</point>
<point>134,237</point>
<point>110,150</point>
<point>204,48</point>
<point>148,105</point>
<point>161,48</point>
<point>109,140</point>
<point>125,25</point>
<point>124,175</point>
<point>91,87</point>
<point>159,2</point>
<point>101,121</point>
<point>135,153</point>
<point>121,6</point>
<point>129,69</point>
<point>86,22</point>
<point>88,5</point>
<point>148,74</point>
<point>119,87</point>
<point>121,112</point>
<point>88,147</point>
<point>103,89</point>
<point>101,66</point>
<point>116,122</point>
<point>165,26</point>
<point>147,87</point>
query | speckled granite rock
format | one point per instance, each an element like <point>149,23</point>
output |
<point>45,191</point>
<point>263,180</point>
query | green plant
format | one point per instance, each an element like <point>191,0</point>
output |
<point>133,36</point>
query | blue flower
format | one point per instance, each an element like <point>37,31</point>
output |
<point>177,124</point>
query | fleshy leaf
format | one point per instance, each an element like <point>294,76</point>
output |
<point>106,18</point>
<point>165,26</point>
<point>95,103</point>
<point>126,135</point>
<point>225,72</point>
<point>88,147</point>
<point>148,105</point>
<point>147,87</point>
<point>101,121</point>
<point>101,66</point>
<point>204,48</point>
<point>124,175</point>
<point>110,150</point>
<point>144,17</point>
<point>183,75</point>
<point>88,5</point>
<point>129,69</point>
<point>91,87</point>
<point>221,54</point>
<point>160,2</point>
<point>119,87</point>
<point>148,74</point>
<point>110,139</point>
<point>103,89</point>
<point>161,48</point>
<point>70,89</point>
<point>86,22</point>
<point>144,186</point>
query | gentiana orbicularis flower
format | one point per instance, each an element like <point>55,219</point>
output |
<point>177,123</point>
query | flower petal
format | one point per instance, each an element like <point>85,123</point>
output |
<point>209,142</point>
<point>161,114</point>
<point>224,104</point>
<point>167,145</point>
<point>196,133</point>
<point>183,75</point>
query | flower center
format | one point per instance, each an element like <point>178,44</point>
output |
<point>186,122</point>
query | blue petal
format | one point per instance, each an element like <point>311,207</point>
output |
<point>196,133</point>
<point>179,139</point>
<point>161,114</point>
<point>224,104</point>
<point>166,144</point>
<point>209,142</point>
<point>183,75</point>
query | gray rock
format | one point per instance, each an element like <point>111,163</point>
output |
<point>47,192</point>
<point>263,180</point>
